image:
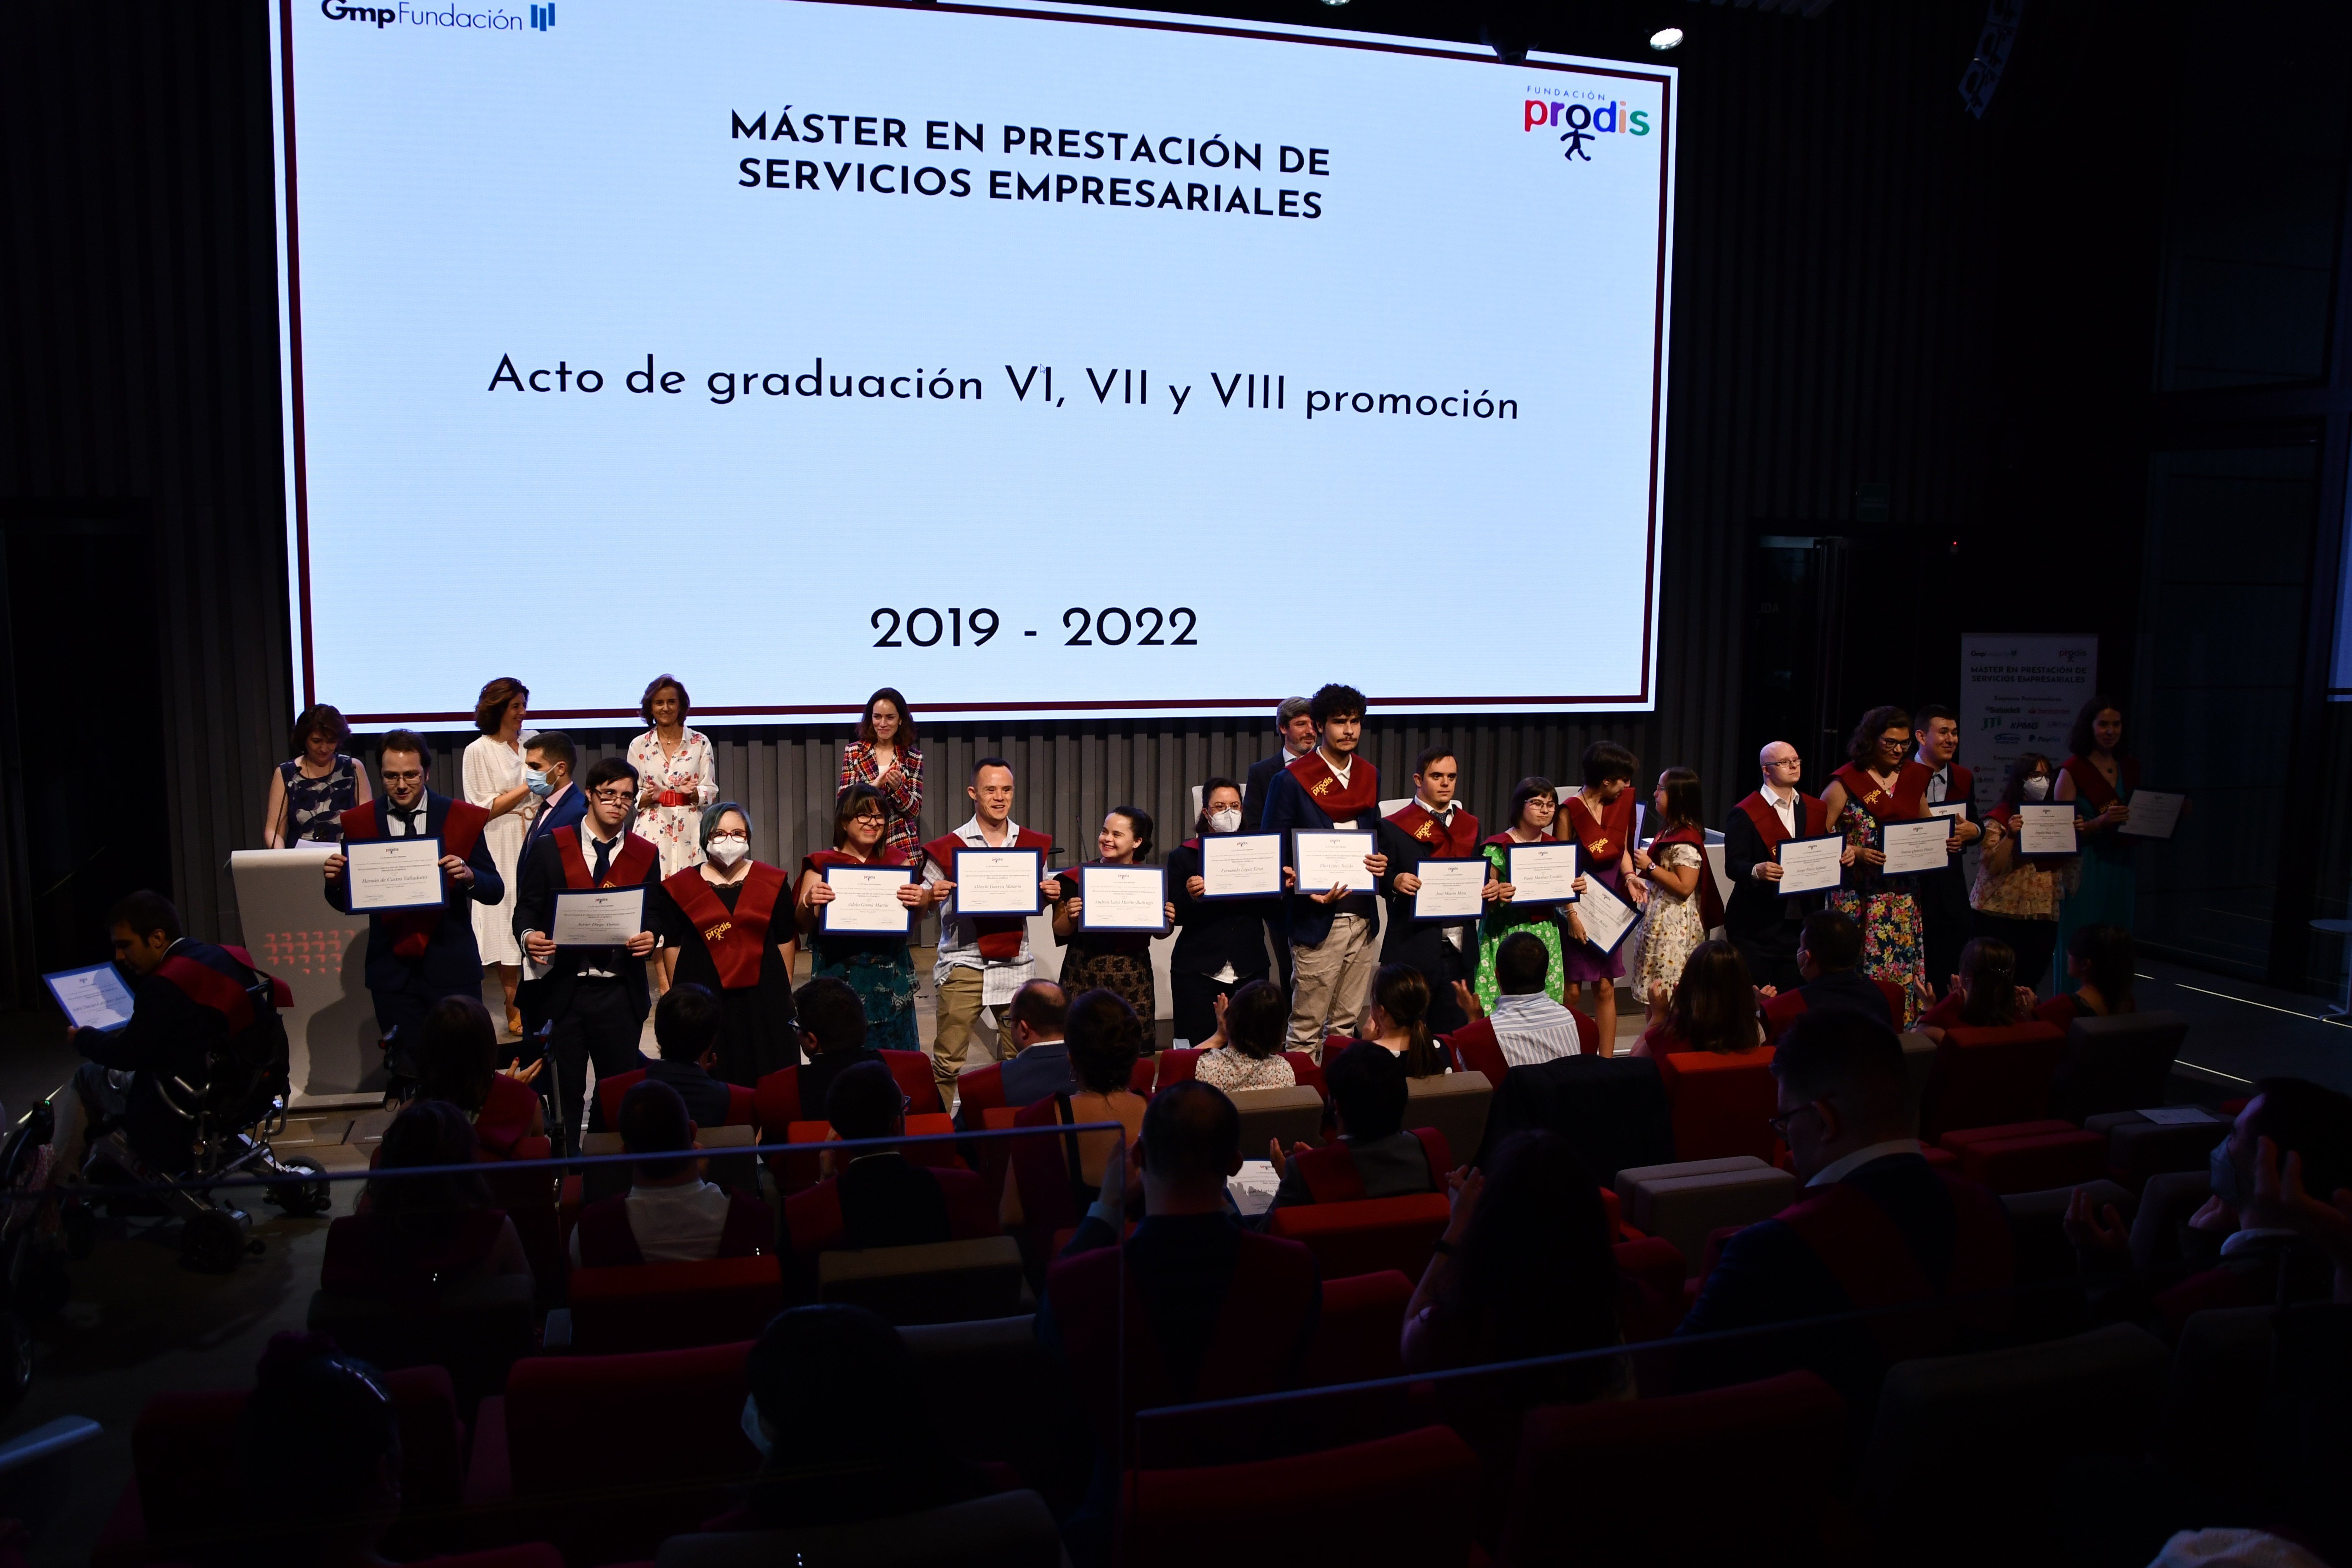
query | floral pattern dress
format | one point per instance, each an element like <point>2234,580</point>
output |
<point>1671,928</point>
<point>691,777</point>
<point>1893,940</point>
<point>1541,921</point>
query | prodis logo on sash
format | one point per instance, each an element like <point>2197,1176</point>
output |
<point>1582,116</point>
<point>496,20</point>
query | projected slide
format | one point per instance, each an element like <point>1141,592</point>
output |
<point>1041,363</point>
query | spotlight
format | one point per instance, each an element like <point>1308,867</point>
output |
<point>1665,38</point>
<point>1334,2</point>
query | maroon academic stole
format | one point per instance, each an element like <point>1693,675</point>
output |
<point>461,829</point>
<point>1419,824</point>
<point>735,940</point>
<point>1360,795</point>
<point>1906,802</point>
<point>818,860</point>
<point>1710,903</point>
<point>627,868</point>
<point>1000,935</point>
<point>2091,785</point>
<point>1604,836</point>
<point>1768,821</point>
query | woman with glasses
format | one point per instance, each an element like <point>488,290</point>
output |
<point>1880,783</point>
<point>1534,805</point>
<point>727,925</point>
<point>877,967</point>
<point>885,757</point>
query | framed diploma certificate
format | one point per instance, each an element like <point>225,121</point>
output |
<point>866,900</point>
<point>597,917</point>
<point>391,874</point>
<point>1811,865</point>
<point>93,998</point>
<point>1332,857</point>
<point>1607,919</point>
<point>1912,846</point>
<point>1241,865</point>
<point>1541,873</point>
<point>1951,810</point>
<point>2154,815</point>
<point>1452,889</point>
<point>998,881</point>
<point>1123,898</point>
<point>2045,830</point>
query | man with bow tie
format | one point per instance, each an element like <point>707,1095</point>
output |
<point>1432,826</point>
<point>416,957</point>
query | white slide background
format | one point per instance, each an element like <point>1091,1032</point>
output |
<point>470,191</point>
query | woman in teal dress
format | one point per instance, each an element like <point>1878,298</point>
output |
<point>879,968</point>
<point>1533,806</point>
<point>2099,781</point>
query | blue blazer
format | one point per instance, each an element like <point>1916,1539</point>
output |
<point>1287,807</point>
<point>450,964</point>
<point>568,812</point>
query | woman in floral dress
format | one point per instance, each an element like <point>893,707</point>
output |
<point>1880,783</point>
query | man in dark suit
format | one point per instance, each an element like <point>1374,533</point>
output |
<point>1877,1226</point>
<point>878,1197</point>
<point>1759,921</point>
<point>416,957</point>
<point>1432,826</point>
<point>1943,895</point>
<point>1296,726</point>
<point>595,998</point>
<point>547,760</point>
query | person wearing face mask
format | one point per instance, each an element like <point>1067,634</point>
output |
<point>1220,942</point>
<point>727,925</point>
<point>596,998</point>
<point>547,762</point>
<point>1758,920</point>
<point>416,957</point>
<point>1116,962</point>
<point>1432,825</point>
<point>879,968</point>
<point>2013,898</point>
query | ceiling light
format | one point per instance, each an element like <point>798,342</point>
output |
<point>1665,38</point>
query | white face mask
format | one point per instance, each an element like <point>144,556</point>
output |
<point>751,1428</point>
<point>728,848</point>
<point>2037,788</point>
<point>1226,821</point>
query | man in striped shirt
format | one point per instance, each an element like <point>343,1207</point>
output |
<point>1527,1026</point>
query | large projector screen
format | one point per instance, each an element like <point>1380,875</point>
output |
<point>1039,362</point>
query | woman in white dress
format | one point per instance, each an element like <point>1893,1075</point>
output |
<point>677,777</point>
<point>494,781</point>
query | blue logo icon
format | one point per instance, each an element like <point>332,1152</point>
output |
<point>542,18</point>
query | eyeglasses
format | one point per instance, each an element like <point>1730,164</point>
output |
<point>615,796</point>
<point>1780,1124</point>
<point>411,776</point>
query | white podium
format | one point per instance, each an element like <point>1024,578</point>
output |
<point>321,955</point>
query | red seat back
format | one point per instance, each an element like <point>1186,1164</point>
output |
<point>609,1092</point>
<point>1403,1499</point>
<point>1983,1077</point>
<point>565,1416</point>
<point>742,1104</point>
<point>673,1306</point>
<point>1720,1103</point>
<point>797,1172</point>
<point>1305,1070</point>
<point>1175,1067</point>
<point>912,1071</point>
<point>1652,1268</point>
<point>1361,1333</point>
<point>1139,1076</point>
<point>1369,1236</point>
<point>530,1196</point>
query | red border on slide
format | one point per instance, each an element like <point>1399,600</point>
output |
<point>1658,392</point>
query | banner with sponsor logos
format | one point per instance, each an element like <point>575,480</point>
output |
<point>2020,692</point>
<point>1037,360</point>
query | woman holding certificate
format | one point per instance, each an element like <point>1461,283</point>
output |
<point>2015,898</point>
<point>1600,818</point>
<point>1533,803</point>
<point>2099,780</point>
<point>1119,960</point>
<point>716,921</point>
<point>1220,942</point>
<point>884,756</point>
<point>1879,784</point>
<point>1684,904</point>
<point>874,964</point>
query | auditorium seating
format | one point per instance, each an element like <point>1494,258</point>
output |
<point>1919,1058</point>
<point>1454,1104</point>
<point>1743,1474</point>
<point>2166,1202</point>
<point>2139,1148</point>
<point>670,1306</point>
<point>1989,1077</point>
<point>1010,1530</point>
<point>796,1172</point>
<point>1611,1110</point>
<point>742,1104</point>
<point>736,1172</point>
<point>1405,1499</point>
<point>1720,1103</point>
<point>1006,1399</point>
<point>2027,1156</point>
<point>1294,1115</point>
<point>476,1329</point>
<point>776,1099</point>
<point>1686,1201</point>
<point>2122,1063</point>
<point>933,1283</point>
<point>1653,1269</point>
<point>1368,1236</point>
<point>1177,1066</point>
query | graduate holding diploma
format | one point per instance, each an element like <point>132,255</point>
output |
<point>1220,942</point>
<point>594,997</point>
<point>1534,806</point>
<point>728,922</point>
<point>1878,785</point>
<point>1600,818</point>
<point>1329,921</point>
<point>2099,781</point>
<point>1434,825</point>
<point>1117,961</point>
<point>876,966</point>
<point>1766,907</point>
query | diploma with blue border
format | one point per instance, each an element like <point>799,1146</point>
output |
<point>1811,865</point>
<point>866,901</point>
<point>998,881</point>
<point>93,998</point>
<point>1123,898</point>
<point>388,875</point>
<point>1451,889</point>
<point>1241,865</point>
<point>1541,873</point>
<point>1607,919</point>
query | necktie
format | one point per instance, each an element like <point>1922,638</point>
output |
<point>604,858</point>
<point>408,819</point>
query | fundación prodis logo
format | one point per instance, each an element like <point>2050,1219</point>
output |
<point>454,16</point>
<point>1582,116</point>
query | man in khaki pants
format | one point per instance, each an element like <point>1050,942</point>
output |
<point>1331,946</point>
<point>983,959</point>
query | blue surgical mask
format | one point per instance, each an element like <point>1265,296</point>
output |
<point>535,780</point>
<point>752,1429</point>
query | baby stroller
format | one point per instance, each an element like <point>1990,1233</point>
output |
<point>32,1247</point>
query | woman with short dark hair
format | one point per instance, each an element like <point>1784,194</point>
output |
<point>1220,942</point>
<point>309,791</point>
<point>493,778</point>
<point>884,755</point>
<point>879,968</point>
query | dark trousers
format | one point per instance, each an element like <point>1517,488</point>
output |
<point>404,1009</point>
<point>1195,1001</point>
<point>1278,937</point>
<point>1945,914</point>
<point>599,1026</point>
<point>2036,942</point>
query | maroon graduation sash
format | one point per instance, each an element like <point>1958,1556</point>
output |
<point>1361,794</point>
<point>1000,935</point>
<point>735,941</point>
<point>626,869</point>
<point>1710,903</point>
<point>818,860</point>
<point>2091,786</point>
<point>461,830</point>
<point>1605,837</point>
<point>1907,803</point>
<point>1458,842</point>
<point>1768,821</point>
<point>208,987</point>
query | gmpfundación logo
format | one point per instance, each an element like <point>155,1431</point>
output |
<point>450,18</point>
<point>1582,117</point>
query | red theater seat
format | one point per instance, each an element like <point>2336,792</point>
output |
<point>1369,1236</point>
<point>1720,1103</point>
<point>673,1306</point>
<point>2029,1156</point>
<point>742,1104</point>
<point>796,1172</point>
<point>1652,1268</point>
<point>776,1102</point>
<point>1177,1066</point>
<point>530,1196</point>
<point>1989,1077</point>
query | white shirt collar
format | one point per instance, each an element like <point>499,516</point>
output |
<point>1771,792</point>
<point>1341,772</point>
<point>1838,1170</point>
<point>1434,810</point>
<point>970,833</point>
<point>2237,1240</point>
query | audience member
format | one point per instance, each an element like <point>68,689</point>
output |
<point>669,1214</point>
<point>1373,1156</point>
<point>728,924</point>
<point>879,1197</point>
<point>1040,1062</point>
<point>2013,898</point>
<point>1396,1015</point>
<point>842,1423</point>
<point>1877,1226</point>
<point>832,1023</point>
<point>457,1057</point>
<point>686,1033</point>
<point>318,1456</point>
<point>1525,1027</point>
<point>1246,1050</point>
<point>309,791</point>
<point>1828,955</point>
<point>1713,1009</point>
<point>1220,942</point>
<point>417,1233</point>
<point>1056,1178</point>
<point>492,775</point>
<point>1985,994</point>
<point>2099,960</point>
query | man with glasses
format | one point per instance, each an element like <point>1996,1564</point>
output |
<point>416,957</point>
<point>1761,922</point>
<point>594,998</point>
